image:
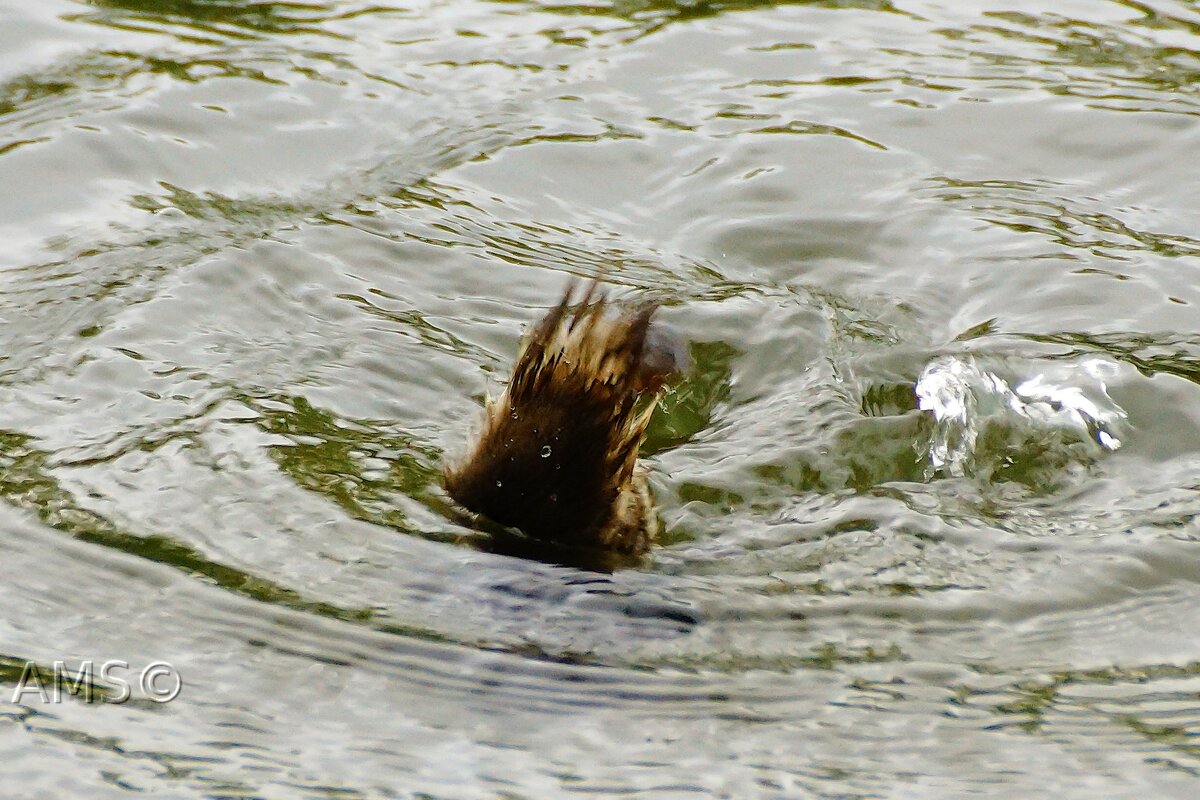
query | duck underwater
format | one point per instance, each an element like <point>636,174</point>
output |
<point>557,454</point>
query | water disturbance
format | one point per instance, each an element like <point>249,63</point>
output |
<point>928,487</point>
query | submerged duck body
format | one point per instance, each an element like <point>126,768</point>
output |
<point>557,456</point>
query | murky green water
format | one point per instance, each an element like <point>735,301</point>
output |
<point>261,261</point>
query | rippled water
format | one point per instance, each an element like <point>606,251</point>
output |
<point>263,260</point>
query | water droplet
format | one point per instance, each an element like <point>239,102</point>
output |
<point>554,498</point>
<point>499,485</point>
<point>514,414</point>
<point>546,451</point>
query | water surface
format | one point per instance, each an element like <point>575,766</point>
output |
<point>262,261</point>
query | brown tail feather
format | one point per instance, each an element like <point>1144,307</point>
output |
<point>557,454</point>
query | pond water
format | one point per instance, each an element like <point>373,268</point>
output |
<point>929,489</point>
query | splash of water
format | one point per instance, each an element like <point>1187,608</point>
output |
<point>1065,408</point>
